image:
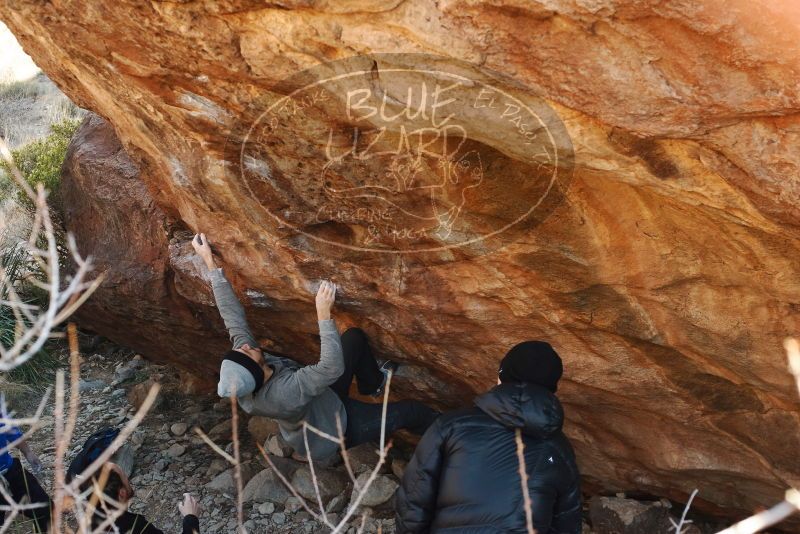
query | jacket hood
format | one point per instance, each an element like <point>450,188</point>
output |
<point>533,409</point>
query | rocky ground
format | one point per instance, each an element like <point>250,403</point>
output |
<point>170,459</point>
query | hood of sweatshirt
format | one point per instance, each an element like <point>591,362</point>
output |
<point>533,409</point>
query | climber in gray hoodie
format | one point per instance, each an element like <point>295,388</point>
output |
<point>281,389</point>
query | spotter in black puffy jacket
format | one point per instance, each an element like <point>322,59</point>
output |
<point>464,476</point>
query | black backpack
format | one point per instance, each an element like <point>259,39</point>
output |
<point>91,450</point>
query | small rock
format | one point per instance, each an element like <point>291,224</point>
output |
<point>123,375</point>
<point>379,492</point>
<point>226,481</point>
<point>176,450</point>
<point>91,385</point>
<point>217,466</point>
<point>278,447</point>
<point>265,487</point>
<point>614,515</point>
<point>279,518</point>
<point>285,465</point>
<point>117,421</point>
<point>222,429</point>
<point>138,393</point>
<point>363,457</point>
<point>266,508</point>
<point>261,428</point>
<point>338,503</point>
<point>224,405</point>
<point>179,429</point>
<point>193,409</point>
<point>330,483</point>
<point>292,504</point>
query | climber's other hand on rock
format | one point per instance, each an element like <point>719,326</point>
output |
<point>325,297</point>
<point>203,249</point>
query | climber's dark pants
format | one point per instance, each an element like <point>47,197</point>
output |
<point>364,419</point>
<point>21,483</point>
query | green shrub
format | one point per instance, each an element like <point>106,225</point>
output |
<point>40,162</point>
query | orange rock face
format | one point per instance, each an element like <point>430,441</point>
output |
<point>618,178</point>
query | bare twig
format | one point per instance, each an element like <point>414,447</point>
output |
<point>216,448</point>
<point>61,445</point>
<point>791,503</point>
<point>793,351</point>
<point>385,407</point>
<point>767,518</point>
<point>683,521</point>
<point>343,446</point>
<point>314,474</point>
<point>523,477</point>
<point>64,432</point>
<point>237,466</point>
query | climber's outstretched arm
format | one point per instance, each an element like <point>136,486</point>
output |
<point>311,380</point>
<point>228,304</point>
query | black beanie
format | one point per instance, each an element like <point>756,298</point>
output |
<point>534,362</point>
<point>245,361</point>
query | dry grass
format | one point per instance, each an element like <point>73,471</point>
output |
<point>29,107</point>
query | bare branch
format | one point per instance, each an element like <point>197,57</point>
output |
<point>767,518</point>
<point>523,478</point>
<point>314,474</point>
<point>791,503</point>
<point>793,351</point>
<point>216,448</point>
<point>343,445</point>
<point>679,525</point>
<point>64,431</point>
<point>237,466</point>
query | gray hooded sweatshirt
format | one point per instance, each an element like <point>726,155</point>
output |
<point>293,394</point>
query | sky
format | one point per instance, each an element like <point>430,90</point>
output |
<point>15,64</point>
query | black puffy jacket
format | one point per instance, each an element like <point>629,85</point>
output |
<point>464,476</point>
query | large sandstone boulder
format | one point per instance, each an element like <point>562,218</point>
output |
<point>623,183</point>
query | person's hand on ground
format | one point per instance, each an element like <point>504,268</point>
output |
<point>189,506</point>
<point>203,249</point>
<point>325,297</point>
